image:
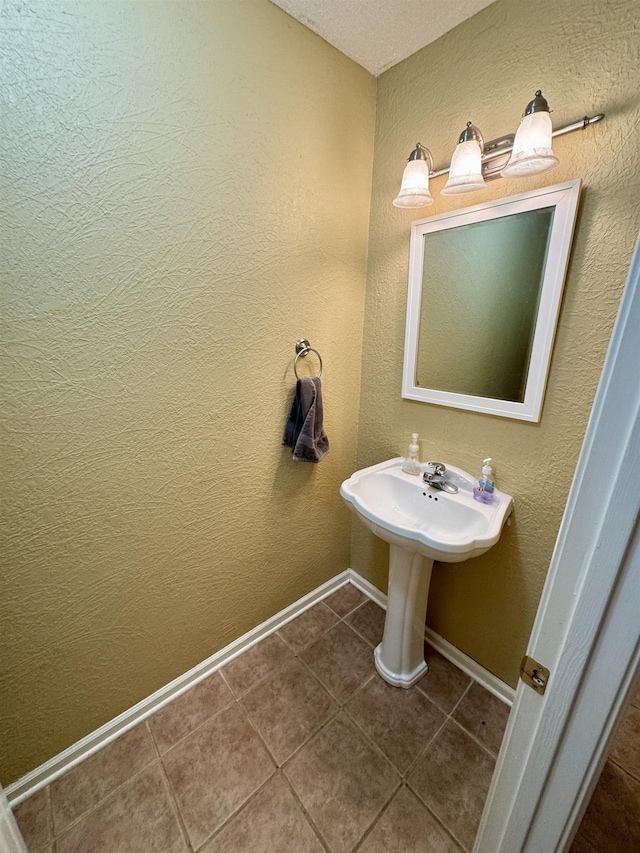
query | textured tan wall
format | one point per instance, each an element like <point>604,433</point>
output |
<point>585,57</point>
<point>186,192</point>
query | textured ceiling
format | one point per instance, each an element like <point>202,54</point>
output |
<point>380,33</point>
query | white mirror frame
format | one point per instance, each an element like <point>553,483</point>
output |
<point>564,197</point>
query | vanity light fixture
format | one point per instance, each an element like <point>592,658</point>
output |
<point>525,153</point>
<point>414,190</point>
<point>532,145</point>
<point>465,172</point>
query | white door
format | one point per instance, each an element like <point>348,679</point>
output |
<point>587,630</point>
<point>10,838</point>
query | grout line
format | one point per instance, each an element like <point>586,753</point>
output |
<point>176,808</point>
<point>355,607</point>
<point>172,796</point>
<point>153,739</point>
<point>306,814</point>
<point>228,683</point>
<point>441,822</point>
<point>101,802</point>
<point>359,689</point>
<point>362,637</point>
<point>625,770</point>
<point>359,633</point>
<point>448,717</point>
<point>241,694</point>
<point>492,755</point>
<point>55,835</point>
<point>237,811</point>
<point>313,640</point>
<point>257,733</point>
<point>52,829</point>
<point>376,819</point>
<point>355,630</point>
<point>418,758</point>
<point>342,710</point>
<point>326,689</point>
<point>372,743</point>
<point>317,731</point>
<point>194,729</point>
<point>311,735</point>
<point>464,693</point>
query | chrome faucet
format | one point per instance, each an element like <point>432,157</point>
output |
<point>434,476</point>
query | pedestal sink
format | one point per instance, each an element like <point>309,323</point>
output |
<point>421,524</point>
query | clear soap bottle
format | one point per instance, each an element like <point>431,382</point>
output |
<point>412,462</point>
<point>483,491</point>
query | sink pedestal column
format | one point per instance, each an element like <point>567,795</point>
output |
<point>400,656</point>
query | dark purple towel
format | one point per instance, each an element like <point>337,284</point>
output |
<point>304,431</point>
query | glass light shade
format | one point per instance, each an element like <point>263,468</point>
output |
<point>414,190</point>
<point>465,172</point>
<point>532,147</point>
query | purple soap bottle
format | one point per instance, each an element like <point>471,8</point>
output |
<point>483,491</point>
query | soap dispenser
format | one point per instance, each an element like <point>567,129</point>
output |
<point>412,463</point>
<point>483,491</point>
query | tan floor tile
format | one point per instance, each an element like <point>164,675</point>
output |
<point>287,708</point>
<point>444,683</point>
<point>582,845</point>
<point>181,716</point>
<point>484,715</point>
<point>401,722</point>
<point>368,620</point>
<point>307,627</point>
<point>272,822</point>
<point>453,778</point>
<point>256,663</point>
<point>626,746</point>
<point>408,827</point>
<point>612,820</point>
<point>137,817</point>
<point>82,787</point>
<point>341,660</point>
<point>345,599</point>
<point>215,770</point>
<point>33,817</point>
<point>342,781</point>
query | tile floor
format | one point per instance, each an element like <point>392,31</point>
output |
<point>297,746</point>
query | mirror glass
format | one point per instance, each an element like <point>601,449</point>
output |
<point>484,293</point>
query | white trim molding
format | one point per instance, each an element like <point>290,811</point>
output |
<point>46,773</point>
<point>586,629</point>
<point>563,198</point>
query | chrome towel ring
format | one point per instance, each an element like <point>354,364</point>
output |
<point>303,348</point>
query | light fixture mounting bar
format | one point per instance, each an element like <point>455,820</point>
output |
<point>504,144</point>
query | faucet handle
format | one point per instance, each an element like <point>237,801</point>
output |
<point>435,468</point>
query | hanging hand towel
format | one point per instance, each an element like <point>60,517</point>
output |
<point>304,431</point>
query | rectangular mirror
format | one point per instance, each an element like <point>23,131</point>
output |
<point>485,285</point>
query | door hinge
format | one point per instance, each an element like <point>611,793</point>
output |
<point>534,674</point>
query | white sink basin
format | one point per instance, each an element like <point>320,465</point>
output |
<point>421,524</point>
<point>402,510</point>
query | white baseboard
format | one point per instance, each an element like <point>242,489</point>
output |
<point>472,668</point>
<point>39,778</point>
<point>43,775</point>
